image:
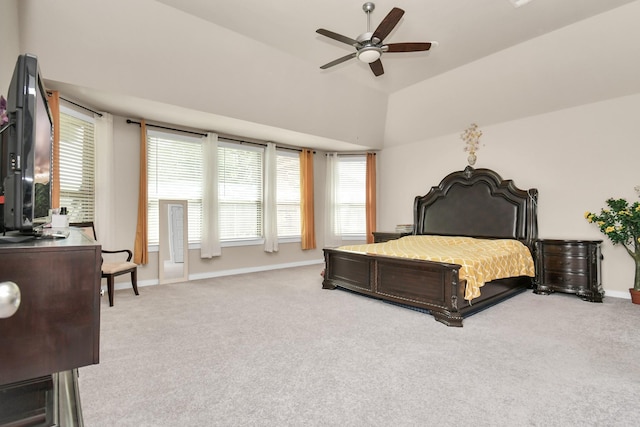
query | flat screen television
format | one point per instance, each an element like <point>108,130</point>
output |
<point>27,150</point>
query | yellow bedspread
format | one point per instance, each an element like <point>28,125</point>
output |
<point>481,260</point>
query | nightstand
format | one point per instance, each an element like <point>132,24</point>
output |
<point>570,266</point>
<point>384,236</point>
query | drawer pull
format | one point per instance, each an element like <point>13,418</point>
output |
<point>9,299</point>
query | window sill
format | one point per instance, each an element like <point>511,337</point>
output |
<point>234,243</point>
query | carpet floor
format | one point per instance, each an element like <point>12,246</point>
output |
<point>274,349</point>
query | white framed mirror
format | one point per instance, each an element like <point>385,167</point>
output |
<point>173,258</point>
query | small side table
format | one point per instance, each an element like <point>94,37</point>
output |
<point>384,236</point>
<point>569,266</point>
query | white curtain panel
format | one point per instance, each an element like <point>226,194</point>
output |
<point>105,199</point>
<point>210,239</point>
<point>270,199</point>
<point>332,221</point>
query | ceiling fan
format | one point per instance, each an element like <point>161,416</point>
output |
<point>369,46</point>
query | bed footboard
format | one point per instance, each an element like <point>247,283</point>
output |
<point>427,285</point>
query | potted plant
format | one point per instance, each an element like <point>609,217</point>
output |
<point>620,222</point>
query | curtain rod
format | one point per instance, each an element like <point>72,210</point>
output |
<point>131,122</point>
<point>261,144</point>
<point>81,106</point>
<point>353,154</point>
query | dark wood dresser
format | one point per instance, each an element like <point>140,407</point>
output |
<point>570,266</point>
<point>56,328</point>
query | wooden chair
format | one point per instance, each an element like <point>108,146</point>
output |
<point>112,269</point>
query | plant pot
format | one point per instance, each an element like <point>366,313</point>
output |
<point>635,296</point>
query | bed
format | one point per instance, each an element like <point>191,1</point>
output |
<point>474,203</point>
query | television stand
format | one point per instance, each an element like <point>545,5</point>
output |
<point>57,325</point>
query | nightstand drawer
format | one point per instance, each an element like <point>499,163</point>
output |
<point>564,250</point>
<point>566,264</point>
<point>571,279</point>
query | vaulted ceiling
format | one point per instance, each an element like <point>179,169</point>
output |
<point>465,30</point>
<point>252,67</point>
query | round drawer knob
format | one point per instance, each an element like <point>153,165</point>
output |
<point>9,299</point>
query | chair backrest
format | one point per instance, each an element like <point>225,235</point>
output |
<point>87,228</point>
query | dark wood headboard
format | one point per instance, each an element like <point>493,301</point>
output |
<point>478,203</point>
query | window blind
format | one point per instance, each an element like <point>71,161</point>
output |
<point>77,165</point>
<point>351,196</point>
<point>288,193</point>
<point>174,172</point>
<point>240,191</point>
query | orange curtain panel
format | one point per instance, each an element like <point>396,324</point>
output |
<point>140,249</point>
<point>371,196</point>
<point>54,106</point>
<point>307,224</point>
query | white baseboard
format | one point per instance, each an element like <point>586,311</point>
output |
<point>254,269</point>
<point>617,294</point>
<point>208,275</point>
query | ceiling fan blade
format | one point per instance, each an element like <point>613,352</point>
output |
<point>388,23</point>
<point>408,47</point>
<point>338,37</point>
<point>377,68</point>
<point>339,60</point>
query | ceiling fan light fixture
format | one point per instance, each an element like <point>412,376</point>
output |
<point>369,54</point>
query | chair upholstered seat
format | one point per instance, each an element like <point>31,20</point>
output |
<point>117,267</point>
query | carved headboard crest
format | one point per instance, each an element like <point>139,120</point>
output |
<point>478,203</point>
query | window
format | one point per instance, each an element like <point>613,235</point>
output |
<point>240,191</point>
<point>77,165</point>
<point>351,197</point>
<point>288,194</point>
<point>174,165</point>
<point>175,171</point>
